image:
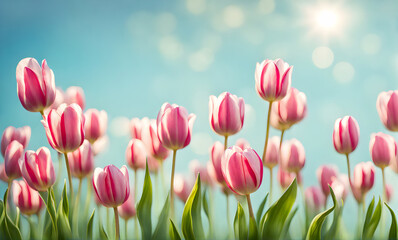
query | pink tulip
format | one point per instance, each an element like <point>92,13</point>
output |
<point>65,128</point>
<point>75,95</point>
<point>182,187</point>
<point>59,99</point>
<point>197,168</point>
<point>101,145</point>
<point>111,185</point>
<point>149,137</point>
<point>81,161</point>
<point>273,79</point>
<point>340,186</point>
<point>127,209</point>
<point>227,113</point>
<point>95,124</point>
<point>216,153</point>
<point>174,126</point>
<point>387,107</point>
<point>286,178</point>
<point>383,149</point>
<point>36,86</point>
<point>153,164</point>
<point>389,192</point>
<point>37,169</point>
<point>272,154</point>
<point>242,143</point>
<point>136,127</point>
<point>364,177</point>
<point>314,199</point>
<point>14,153</point>
<point>3,174</point>
<point>26,198</point>
<point>22,135</point>
<point>136,154</point>
<point>292,156</point>
<point>325,176</point>
<point>290,110</point>
<point>242,170</point>
<point>346,135</point>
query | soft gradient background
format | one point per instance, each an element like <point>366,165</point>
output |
<point>132,56</point>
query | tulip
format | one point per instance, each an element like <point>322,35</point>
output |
<point>314,199</point>
<point>340,186</point>
<point>37,169</point>
<point>226,114</point>
<point>387,107</point>
<point>136,154</point>
<point>216,153</point>
<point>242,143</point>
<point>383,149</point>
<point>36,86</point>
<point>65,131</point>
<point>149,137</point>
<point>389,192</point>
<point>197,168</point>
<point>3,174</point>
<point>286,178</point>
<point>136,127</point>
<point>272,154</point>
<point>112,188</point>
<point>75,95</point>
<point>153,165</point>
<point>14,153</point>
<point>325,175</point>
<point>364,177</point>
<point>22,135</point>
<point>290,110</point>
<point>182,187</point>
<point>243,172</point>
<point>26,198</point>
<point>101,145</point>
<point>292,156</point>
<point>81,161</point>
<point>59,99</point>
<point>95,124</point>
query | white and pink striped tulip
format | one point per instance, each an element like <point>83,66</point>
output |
<point>325,175</point>
<point>182,187</point>
<point>216,153</point>
<point>272,153</point>
<point>136,154</point>
<point>127,209</point>
<point>292,156</point>
<point>387,107</point>
<point>346,135</point>
<point>81,161</point>
<point>364,177</point>
<point>136,126</point>
<point>314,199</point>
<point>95,124</point>
<point>14,153</point>
<point>149,137</point>
<point>26,198</point>
<point>22,135</point>
<point>285,178</point>
<point>3,174</point>
<point>75,95</point>
<point>383,149</point>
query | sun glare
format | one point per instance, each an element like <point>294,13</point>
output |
<point>327,19</point>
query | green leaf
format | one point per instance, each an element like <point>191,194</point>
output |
<point>261,209</point>
<point>173,233</point>
<point>314,232</point>
<point>33,234</point>
<point>50,227</point>
<point>191,217</point>
<point>371,223</point>
<point>369,212</point>
<point>102,232</point>
<point>145,206</point>
<point>17,218</point>
<point>206,206</point>
<point>393,228</point>
<point>90,226</point>
<point>240,224</point>
<point>63,226</point>
<point>272,222</point>
<point>12,231</point>
<point>286,227</point>
<point>253,232</point>
<point>161,227</point>
<point>334,228</point>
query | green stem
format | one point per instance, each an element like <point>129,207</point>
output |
<point>228,218</point>
<point>270,185</point>
<point>249,204</point>
<point>349,169</point>
<point>69,175</point>
<point>125,228</point>
<point>267,133</point>
<point>136,227</point>
<point>172,184</point>
<point>108,224</point>
<point>135,184</point>
<point>225,143</point>
<point>88,198</point>
<point>162,179</point>
<point>76,210</point>
<point>117,237</point>
<point>384,185</point>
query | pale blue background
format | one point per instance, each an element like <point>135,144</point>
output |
<point>111,49</point>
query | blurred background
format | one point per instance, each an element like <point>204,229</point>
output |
<point>132,56</point>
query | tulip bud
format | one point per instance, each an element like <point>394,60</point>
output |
<point>36,85</point>
<point>95,124</point>
<point>242,170</point>
<point>65,128</point>
<point>22,135</point>
<point>3,174</point>
<point>340,186</point>
<point>111,185</point>
<point>14,153</point>
<point>81,161</point>
<point>273,79</point>
<point>290,110</point>
<point>314,199</point>
<point>37,169</point>
<point>272,153</point>
<point>216,153</point>
<point>387,107</point>
<point>136,154</point>
<point>174,126</point>
<point>292,156</point>
<point>127,209</point>
<point>346,135</point>
<point>197,168</point>
<point>242,143</point>
<point>286,178</point>
<point>325,176</point>
<point>136,127</point>
<point>227,113</point>
<point>389,192</point>
<point>182,187</point>
<point>149,137</point>
<point>383,149</point>
<point>26,198</point>
<point>75,95</point>
<point>153,164</point>
<point>364,177</point>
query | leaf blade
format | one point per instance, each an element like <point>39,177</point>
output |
<point>144,207</point>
